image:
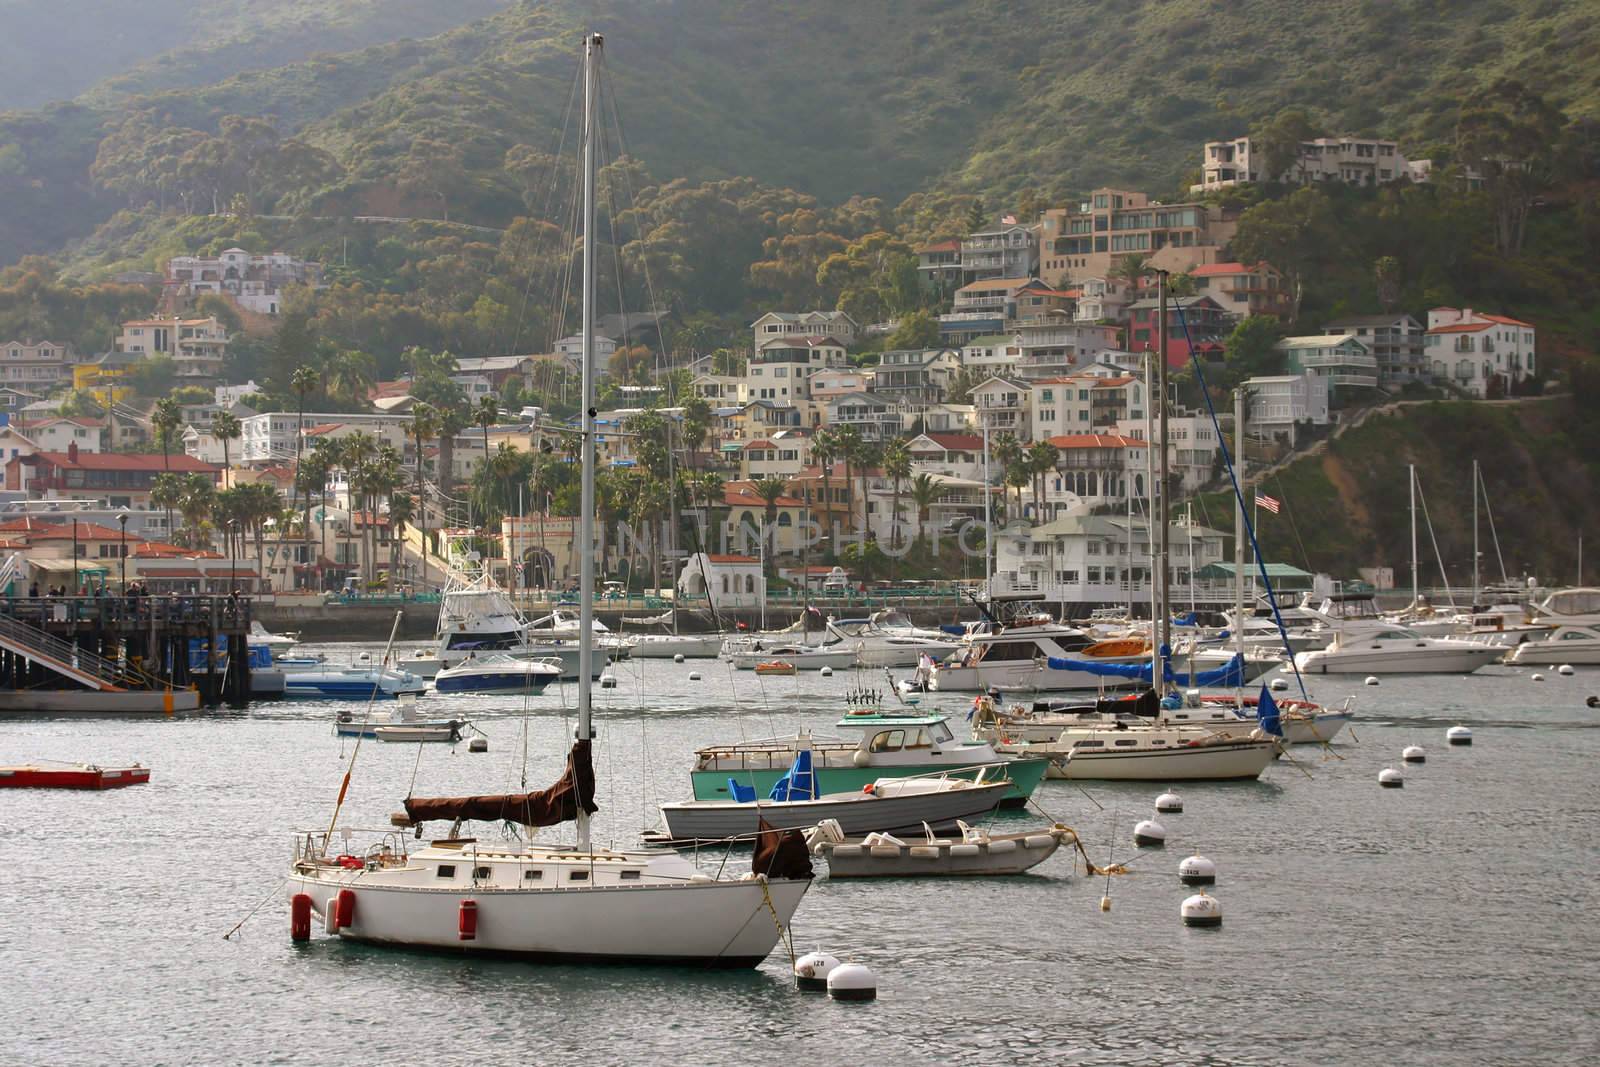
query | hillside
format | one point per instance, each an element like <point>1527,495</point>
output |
<point>833,99</point>
<point>54,51</point>
<point>1350,506</point>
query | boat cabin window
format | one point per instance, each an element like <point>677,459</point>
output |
<point>1397,634</point>
<point>919,740</point>
<point>577,876</point>
<point>629,876</point>
<point>1088,744</point>
<point>446,870</point>
<point>940,733</point>
<point>480,872</point>
<point>1158,741</point>
<point>1574,602</point>
<point>533,875</point>
<point>1574,635</point>
<point>481,642</point>
<point>1126,742</point>
<point>1006,650</point>
<point>888,741</point>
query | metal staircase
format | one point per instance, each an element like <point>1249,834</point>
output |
<point>63,657</point>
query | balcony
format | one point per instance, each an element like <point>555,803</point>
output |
<point>1309,361</point>
<point>1354,381</point>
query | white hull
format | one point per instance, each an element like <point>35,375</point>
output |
<point>1458,658</point>
<point>1002,854</point>
<point>1219,762</point>
<point>816,660</point>
<point>666,646</point>
<point>856,813</point>
<point>1551,653</point>
<point>888,652</point>
<point>711,924</point>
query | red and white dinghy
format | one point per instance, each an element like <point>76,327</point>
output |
<point>71,776</point>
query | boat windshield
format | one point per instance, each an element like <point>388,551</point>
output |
<point>940,732</point>
<point>1399,633</point>
<point>888,741</point>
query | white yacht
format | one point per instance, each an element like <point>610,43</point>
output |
<point>1116,751</point>
<point>561,626</point>
<point>1579,645</point>
<point>477,617</point>
<point>1301,721</point>
<point>1372,646</point>
<point>1569,607</point>
<point>888,639</point>
<point>802,657</point>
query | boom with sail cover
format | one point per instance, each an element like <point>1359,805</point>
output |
<point>572,792</point>
<point>1229,674</point>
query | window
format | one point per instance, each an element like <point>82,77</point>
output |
<point>480,872</point>
<point>577,876</point>
<point>446,870</point>
<point>629,876</point>
<point>533,875</point>
<point>888,741</point>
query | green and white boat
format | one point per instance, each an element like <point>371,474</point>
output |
<point>889,746</point>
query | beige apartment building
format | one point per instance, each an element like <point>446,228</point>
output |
<point>1076,244</point>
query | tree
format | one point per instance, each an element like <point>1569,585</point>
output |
<point>165,419</point>
<point>225,427</point>
<point>916,330</point>
<point>924,493</point>
<point>1251,349</point>
<point>1297,234</point>
<point>825,450</point>
<point>848,441</point>
<point>1017,476</point>
<point>1509,136</point>
<point>1041,460</point>
<point>977,217</point>
<point>424,427</point>
<point>487,413</point>
<point>166,492</point>
<point>1387,276</point>
<point>303,382</point>
<point>152,376</point>
<point>695,425</point>
<point>897,466</point>
<point>1130,270</point>
<point>1277,142</point>
<point>771,490</point>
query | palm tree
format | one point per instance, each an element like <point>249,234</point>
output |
<point>1008,453</point>
<point>312,475</point>
<point>350,376</point>
<point>924,491</point>
<point>302,383</point>
<point>424,427</point>
<point>197,497</point>
<point>486,414</point>
<point>825,449</point>
<point>1130,269</point>
<point>354,453</point>
<point>771,490</point>
<point>401,511</point>
<point>225,427</point>
<point>1017,476</point>
<point>165,419</point>
<point>695,425</point>
<point>167,492</point>
<point>849,447</point>
<point>452,420</point>
<point>1042,457</point>
<point>897,465</point>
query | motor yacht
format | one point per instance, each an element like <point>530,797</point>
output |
<point>1578,645</point>
<point>888,639</point>
<point>1372,646</point>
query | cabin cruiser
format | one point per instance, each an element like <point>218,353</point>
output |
<point>1132,752</point>
<point>1565,644</point>
<point>1372,646</point>
<point>801,657</point>
<point>478,618</point>
<point>670,646</point>
<point>322,682</point>
<point>1301,721</point>
<point>498,672</point>
<point>888,639</point>
<point>889,744</point>
<point>561,626</point>
<point>1569,607</point>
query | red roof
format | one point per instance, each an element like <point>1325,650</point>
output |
<point>76,420</point>
<point>761,444</point>
<point>1212,269</point>
<point>156,550</point>
<point>1108,383</point>
<point>1505,321</point>
<point>87,531</point>
<point>23,525</point>
<point>952,245</point>
<point>957,442</point>
<point>733,559</point>
<point>171,572</point>
<point>784,340</point>
<point>1096,440</point>
<point>178,463</point>
<point>735,499</point>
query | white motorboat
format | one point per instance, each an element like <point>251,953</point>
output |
<point>277,644</point>
<point>566,903</point>
<point>498,672</point>
<point>322,682</point>
<point>1370,646</point>
<point>974,852</point>
<point>888,639</point>
<point>1302,722</point>
<point>448,732</point>
<point>802,657</point>
<point>886,805</point>
<point>561,626</point>
<point>1570,607</point>
<point>476,617</point>
<point>366,724</point>
<point>1578,645</point>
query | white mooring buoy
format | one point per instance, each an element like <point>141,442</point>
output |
<point>1565,670</point>
<point>478,744</point>
<point>827,672</point>
<point>694,676</point>
<point>1458,735</point>
<point>1535,677</point>
<point>1169,802</point>
<point>1201,910</point>
<point>1414,754</point>
<point>608,681</point>
<point>1150,834</point>
<point>1197,870</point>
<point>811,971</point>
<point>1278,685</point>
<point>1372,679</point>
<point>1390,778</point>
<point>852,981</point>
<point>677,657</point>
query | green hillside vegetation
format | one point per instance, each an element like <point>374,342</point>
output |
<point>1351,506</point>
<point>53,51</point>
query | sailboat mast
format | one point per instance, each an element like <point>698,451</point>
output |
<point>1160,513</point>
<point>591,84</point>
<point>1416,589</point>
<point>1238,523</point>
<point>1149,489</point>
<point>1474,534</point>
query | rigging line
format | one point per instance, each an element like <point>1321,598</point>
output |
<point>1238,493</point>
<point>344,786</point>
<point>1492,534</point>
<point>550,195</point>
<point>1294,527</point>
<point>1439,559</point>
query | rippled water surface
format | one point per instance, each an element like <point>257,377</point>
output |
<point>1449,922</point>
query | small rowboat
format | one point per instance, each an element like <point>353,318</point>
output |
<point>72,776</point>
<point>775,666</point>
<point>975,852</point>
<point>449,732</point>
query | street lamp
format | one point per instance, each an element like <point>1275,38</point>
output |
<point>122,521</point>
<point>74,591</point>
<point>233,525</point>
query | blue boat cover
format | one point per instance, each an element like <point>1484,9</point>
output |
<point>1229,674</point>
<point>799,782</point>
<point>954,630</point>
<point>1267,714</point>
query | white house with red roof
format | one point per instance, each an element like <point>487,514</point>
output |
<point>13,445</point>
<point>1100,468</point>
<point>1243,290</point>
<point>1085,403</point>
<point>746,523</point>
<point>730,580</point>
<point>783,454</point>
<point>953,455</point>
<point>835,326</point>
<point>58,433</point>
<point>781,368</point>
<point>1484,354</point>
<point>271,437</point>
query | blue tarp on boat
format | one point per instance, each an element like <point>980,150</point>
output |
<point>1228,675</point>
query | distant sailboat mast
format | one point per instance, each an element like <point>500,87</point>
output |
<point>591,74</point>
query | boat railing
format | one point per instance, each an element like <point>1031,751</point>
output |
<point>313,846</point>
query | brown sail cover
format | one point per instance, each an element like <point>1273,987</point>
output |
<point>558,804</point>
<point>780,853</point>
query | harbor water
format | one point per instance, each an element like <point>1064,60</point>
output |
<point>1448,922</point>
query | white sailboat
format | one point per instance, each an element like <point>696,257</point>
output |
<point>569,903</point>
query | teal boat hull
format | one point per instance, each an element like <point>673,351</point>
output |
<point>1025,774</point>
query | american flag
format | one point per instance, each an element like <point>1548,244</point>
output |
<point>1264,501</point>
<point>1008,220</point>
